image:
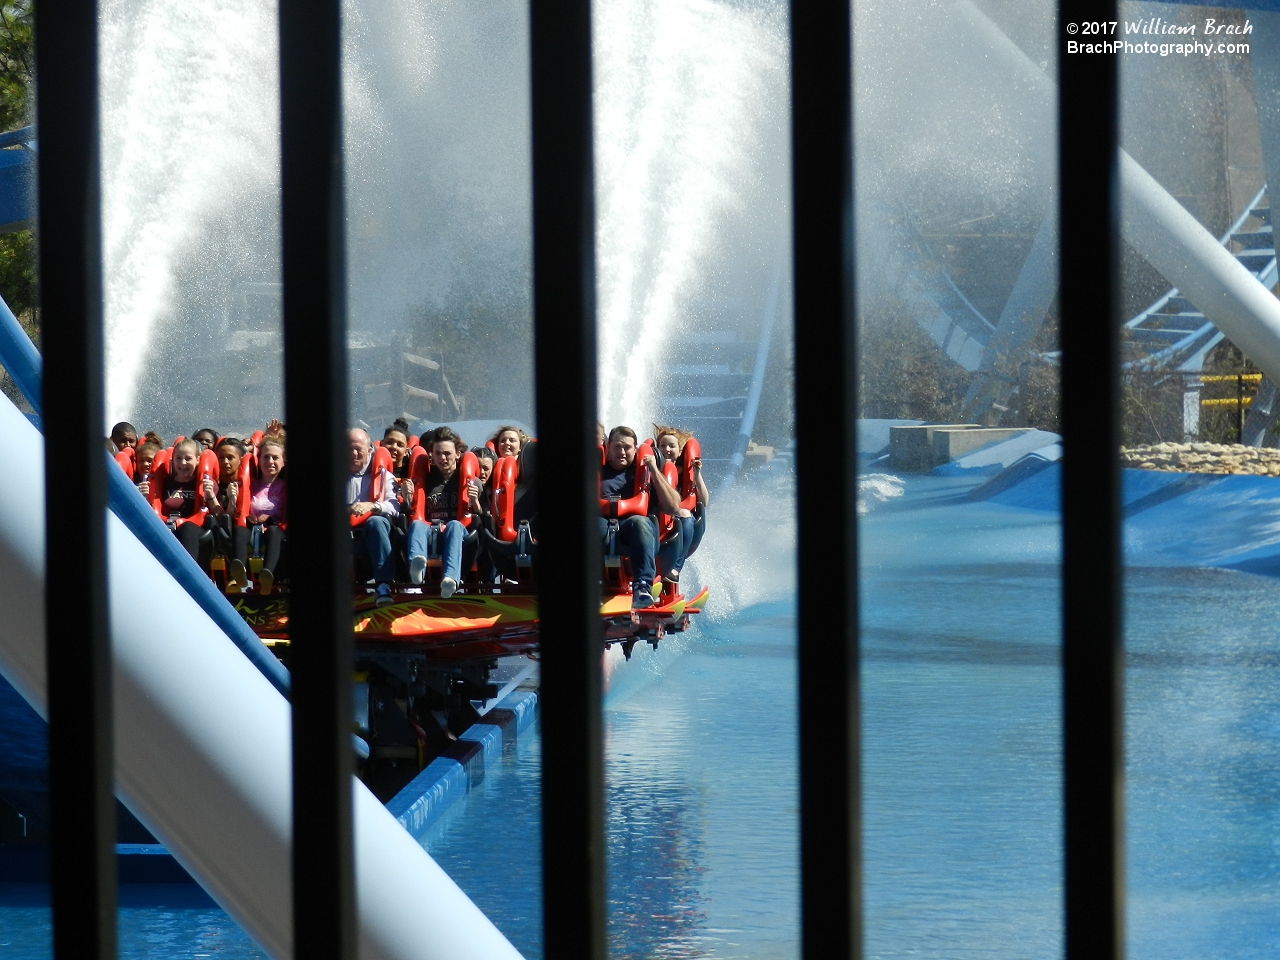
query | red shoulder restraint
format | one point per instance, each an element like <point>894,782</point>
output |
<point>502,499</point>
<point>667,521</point>
<point>127,458</point>
<point>380,464</point>
<point>688,490</point>
<point>638,503</point>
<point>244,482</point>
<point>206,469</point>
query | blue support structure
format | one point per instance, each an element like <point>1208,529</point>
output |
<point>22,361</point>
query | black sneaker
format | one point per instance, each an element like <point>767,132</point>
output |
<point>384,595</point>
<point>641,598</point>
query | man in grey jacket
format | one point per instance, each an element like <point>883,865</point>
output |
<point>372,496</point>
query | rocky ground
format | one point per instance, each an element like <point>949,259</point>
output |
<point>1203,458</point>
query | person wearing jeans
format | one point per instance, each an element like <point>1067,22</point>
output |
<point>638,541</point>
<point>425,539</point>
<point>440,529</point>
<point>371,492</point>
<point>637,534</point>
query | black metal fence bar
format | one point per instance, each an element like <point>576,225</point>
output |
<point>1092,665</point>
<point>569,549</point>
<point>825,409</point>
<point>81,795</point>
<point>320,654</point>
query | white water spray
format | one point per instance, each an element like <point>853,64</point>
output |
<point>691,102</point>
<point>189,142</point>
<point>692,194</point>
<point>436,125</point>
<point>691,177</point>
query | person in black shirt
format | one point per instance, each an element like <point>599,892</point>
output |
<point>439,526</point>
<point>180,498</point>
<point>395,440</point>
<point>478,499</point>
<point>637,534</point>
<point>124,434</point>
<point>207,437</point>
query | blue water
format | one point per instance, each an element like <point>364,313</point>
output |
<point>961,768</point>
<point>160,922</point>
<point>961,763</point>
<point>701,853</point>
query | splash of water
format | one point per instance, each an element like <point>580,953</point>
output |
<point>436,123</point>
<point>874,488</point>
<point>748,556</point>
<point>691,108</point>
<point>189,120</point>
<point>436,107</point>
<point>690,124</point>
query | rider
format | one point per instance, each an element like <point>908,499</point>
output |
<point>267,510</point>
<point>637,533</point>
<point>143,460</point>
<point>207,437</point>
<point>180,498</point>
<point>372,497</point>
<point>440,525</point>
<point>507,440</point>
<point>691,521</point>
<point>478,501</point>
<point>124,434</point>
<point>395,440</point>
<point>222,500</point>
<point>664,498</point>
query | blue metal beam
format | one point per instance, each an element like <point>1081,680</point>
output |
<point>22,361</point>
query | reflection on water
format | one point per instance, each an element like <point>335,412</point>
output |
<point>701,819</point>
<point>1203,763</point>
<point>960,729</point>
<point>155,922</point>
<point>961,765</point>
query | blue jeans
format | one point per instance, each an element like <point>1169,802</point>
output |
<point>425,537</point>
<point>376,534</point>
<point>638,537</point>
<point>673,550</point>
<point>698,526</point>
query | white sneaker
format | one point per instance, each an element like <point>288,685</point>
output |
<point>417,569</point>
<point>447,586</point>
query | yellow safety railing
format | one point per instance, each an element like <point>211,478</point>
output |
<point>1225,377</point>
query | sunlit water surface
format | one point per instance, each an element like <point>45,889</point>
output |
<point>961,769</point>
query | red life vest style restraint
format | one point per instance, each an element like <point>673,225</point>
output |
<point>244,481</point>
<point>688,489</point>
<point>638,503</point>
<point>206,469</point>
<point>419,467</point>
<point>502,497</point>
<point>128,459</point>
<point>420,473</point>
<point>380,465</point>
<point>667,521</point>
